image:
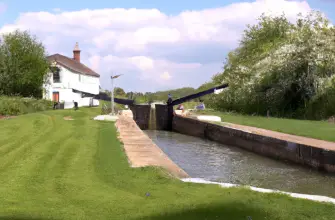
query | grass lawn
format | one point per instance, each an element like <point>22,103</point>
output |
<point>51,168</point>
<point>322,130</point>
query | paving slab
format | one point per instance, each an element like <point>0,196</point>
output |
<point>141,150</point>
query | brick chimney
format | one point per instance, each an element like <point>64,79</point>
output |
<point>76,53</point>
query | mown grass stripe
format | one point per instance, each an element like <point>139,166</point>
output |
<point>78,170</point>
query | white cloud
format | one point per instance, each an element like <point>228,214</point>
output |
<point>57,10</point>
<point>141,70</point>
<point>143,63</point>
<point>148,45</point>
<point>165,76</point>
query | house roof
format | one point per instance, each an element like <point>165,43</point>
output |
<point>72,64</point>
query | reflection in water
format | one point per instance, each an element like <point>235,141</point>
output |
<point>216,162</point>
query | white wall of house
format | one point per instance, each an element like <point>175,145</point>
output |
<point>67,95</point>
<point>69,81</point>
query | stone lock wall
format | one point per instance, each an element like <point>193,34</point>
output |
<point>310,156</point>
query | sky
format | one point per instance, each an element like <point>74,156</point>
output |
<point>155,44</point>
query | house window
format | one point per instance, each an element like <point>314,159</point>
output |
<point>56,75</point>
<point>79,77</point>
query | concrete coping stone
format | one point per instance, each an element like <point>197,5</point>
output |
<point>106,118</point>
<point>262,190</point>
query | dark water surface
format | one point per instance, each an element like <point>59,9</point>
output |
<point>216,162</point>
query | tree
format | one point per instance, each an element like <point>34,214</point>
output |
<point>23,65</point>
<point>204,87</point>
<point>279,66</point>
<point>119,92</point>
<point>130,95</point>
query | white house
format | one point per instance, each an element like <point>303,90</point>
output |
<point>71,81</point>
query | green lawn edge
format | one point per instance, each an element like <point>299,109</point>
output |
<point>321,130</point>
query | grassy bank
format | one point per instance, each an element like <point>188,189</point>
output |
<point>315,129</point>
<point>17,105</point>
<point>51,168</point>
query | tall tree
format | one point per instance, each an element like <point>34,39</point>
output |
<point>279,66</point>
<point>23,65</point>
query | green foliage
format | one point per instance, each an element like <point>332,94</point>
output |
<point>119,92</point>
<point>23,65</point>
<point>176,93</point>
<point>149,97</point>
<point>321,106</point>
<point>206,99</point>
<point>281,67</point>
<point>17,105</point>
<point>162,96</point>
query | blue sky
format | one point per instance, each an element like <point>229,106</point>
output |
<point>178,43</point>
<point>15,7</point>
<point>170,7</point>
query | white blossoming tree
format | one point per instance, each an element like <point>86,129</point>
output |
<point>283,67</point>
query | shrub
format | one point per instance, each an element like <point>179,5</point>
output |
<point>15,105</point>
<point>321,106</point>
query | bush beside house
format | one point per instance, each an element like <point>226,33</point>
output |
<point>14,105</point>
<point>23,70</point>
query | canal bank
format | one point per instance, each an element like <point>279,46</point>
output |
<point>212,161</point>
<point>309,152</point>
<point>141,152</point>
<point>317,154</point>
